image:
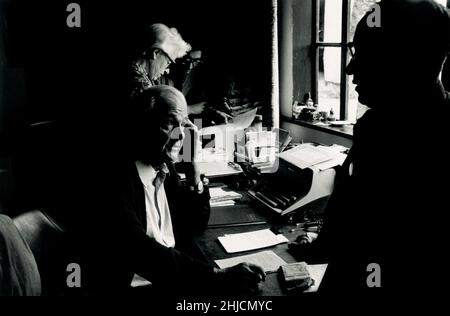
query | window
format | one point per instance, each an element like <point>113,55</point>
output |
<point>336,23</point>
<point>335,26</point>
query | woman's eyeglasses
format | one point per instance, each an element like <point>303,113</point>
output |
<point>168,57</point>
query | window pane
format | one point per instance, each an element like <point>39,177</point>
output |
<point>357,10</point>
<point>329,79</point>
<point>330,20</point>
<point>359,7</point>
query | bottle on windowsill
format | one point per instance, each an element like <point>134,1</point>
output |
<point>295,110</point>
<point>331,116</point>
<point>307,100</point>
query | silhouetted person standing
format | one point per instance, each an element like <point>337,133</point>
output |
<point>389,200</point>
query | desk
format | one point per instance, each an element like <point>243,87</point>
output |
<point>212,249</point>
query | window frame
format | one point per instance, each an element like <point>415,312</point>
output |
<point>316,45</point>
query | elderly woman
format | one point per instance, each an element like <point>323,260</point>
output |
<point>163,45</point>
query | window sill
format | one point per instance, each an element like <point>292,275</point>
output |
<point>345,131</point>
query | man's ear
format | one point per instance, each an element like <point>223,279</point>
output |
<point>152,53</point>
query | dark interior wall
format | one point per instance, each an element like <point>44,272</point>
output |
<point>54,73</point>
<point>64,66</point>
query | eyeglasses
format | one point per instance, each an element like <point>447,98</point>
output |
<point>193,60</point>
<point>171,61</point>
<point>351,49</point>
<point>189,61</point>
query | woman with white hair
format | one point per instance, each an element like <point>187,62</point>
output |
<point>160,47</point>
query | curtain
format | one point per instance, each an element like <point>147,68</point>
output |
<point>275,86</point>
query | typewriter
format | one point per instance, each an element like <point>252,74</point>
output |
<point>291,188</point>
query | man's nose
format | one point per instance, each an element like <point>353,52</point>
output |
<point>177,134</point>
<point>182,134</point>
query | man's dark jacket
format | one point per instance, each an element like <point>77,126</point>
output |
<point>113,236</point>
<point>388,204</point>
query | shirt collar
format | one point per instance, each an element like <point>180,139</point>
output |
<point>147,173</point>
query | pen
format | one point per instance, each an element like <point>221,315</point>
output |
<point>306,229</point>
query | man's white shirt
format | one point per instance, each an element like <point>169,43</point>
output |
<point>159,221</point>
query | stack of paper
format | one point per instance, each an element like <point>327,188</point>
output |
<point>221,197</point>
<point>222,203</point>
<point>251,240</point>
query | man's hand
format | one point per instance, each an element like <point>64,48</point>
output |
<point>243,277</point>
<point>191,150</point>
<point>192,140</point>
<point>223,116</point>
<point>196,108</point>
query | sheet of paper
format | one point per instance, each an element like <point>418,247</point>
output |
<point>337,160</point>
<point>239,122</point>
<point>242,121</point>
<point>317,271</point>
<point>139,281</point>
<point>251,240</point>
<point>305,156</point>
<point>268,260</point>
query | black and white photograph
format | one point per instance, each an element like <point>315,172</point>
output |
<point>224,156</point>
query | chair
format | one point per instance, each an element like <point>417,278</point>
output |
<point>19,275</point>
<point>46,240</point>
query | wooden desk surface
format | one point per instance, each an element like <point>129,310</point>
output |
<point>212,249</point>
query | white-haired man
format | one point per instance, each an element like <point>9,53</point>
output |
<point>144,211</point>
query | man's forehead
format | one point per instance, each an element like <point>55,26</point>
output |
<point>179,116</point>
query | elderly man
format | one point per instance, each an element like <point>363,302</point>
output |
<point>387,190</point>
<point>144,211</point>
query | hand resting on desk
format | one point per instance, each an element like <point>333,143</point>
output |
<point>243,277</point>
<point>305,247</point>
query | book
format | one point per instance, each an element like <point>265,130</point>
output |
<point>236,215</point>
<point>295,276</point>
